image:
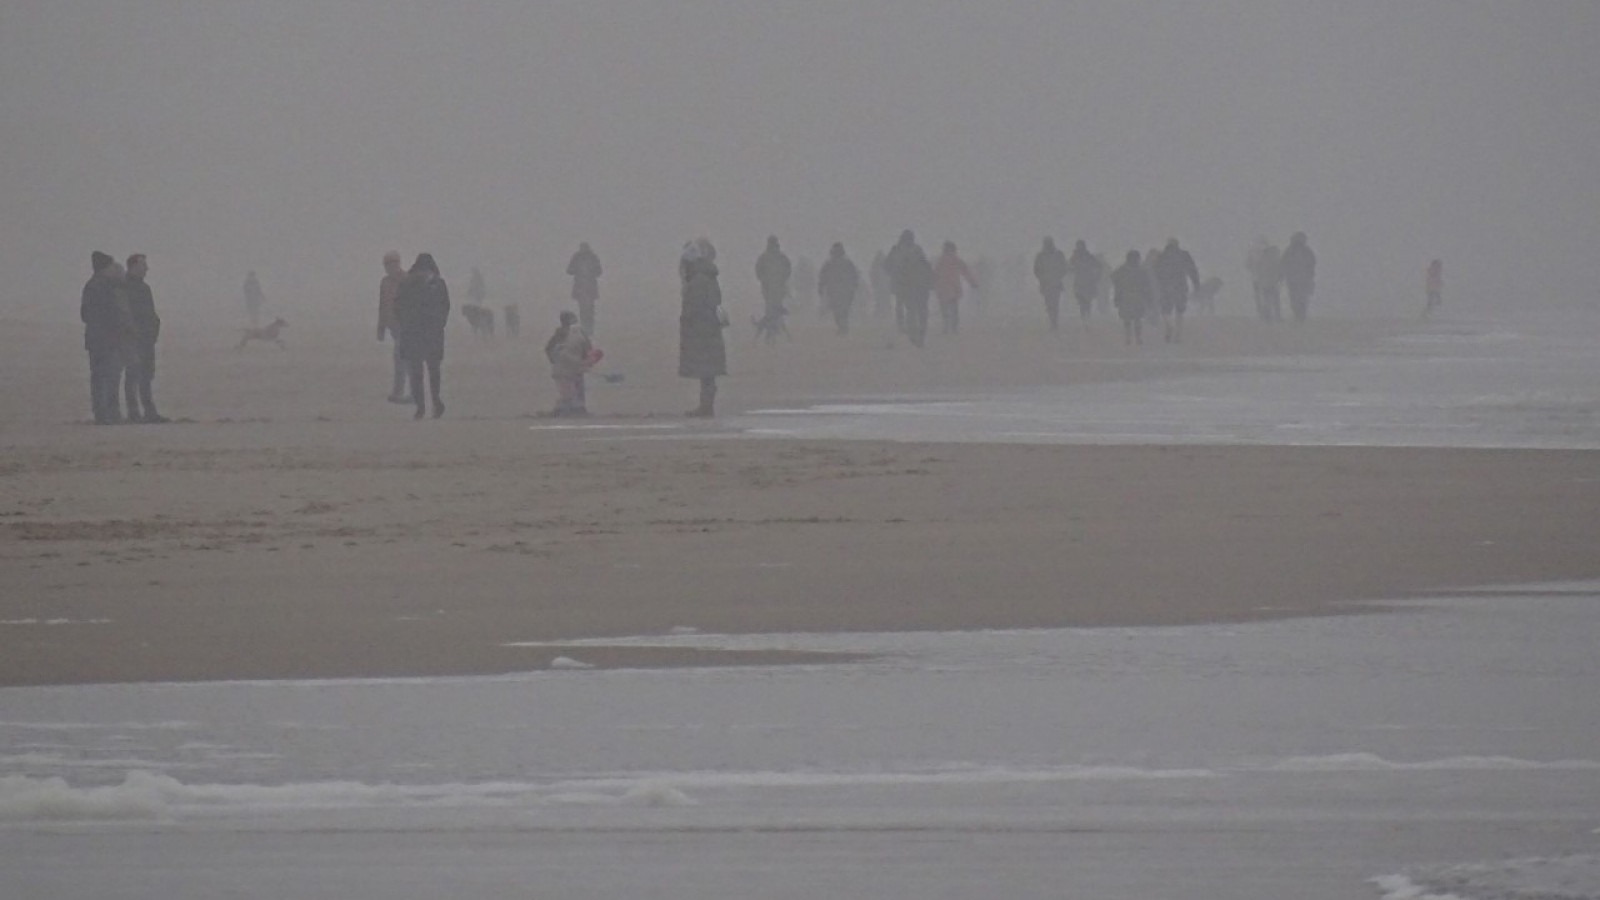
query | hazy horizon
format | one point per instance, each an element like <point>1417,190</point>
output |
<point>303,139</point>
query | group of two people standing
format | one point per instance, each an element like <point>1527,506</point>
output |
<point>1271,271</point>
<point>413,308</point>
<point>120,330</point>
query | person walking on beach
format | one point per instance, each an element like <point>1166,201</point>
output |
<point>837,284</point>
<point>569,351</point>
<point>146,329</point>
<point>422,307</point>
<point>878,280</point>
<point>911,280</point>
<point>1434,283</point>
<point>1086,271</point>
<point>1175,273</point>
<point>253,298</point>
<point>388,289</point>
<point>702,354</point>
<point>584,270</point>
<point>1050,269</point>
<point>948,275</point>
<point>102,338</point>
<point>772,272</point>
<point>1132,292</point>
<point>1265,265</point>
<point>1299,274</point>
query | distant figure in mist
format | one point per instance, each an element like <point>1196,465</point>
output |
<point>1265,265</point>
<point>882,293</point>
<point>569,351</point>
<point>479,316</point>
<point>1299,274</point>
<point>422,307</point>
<point>584,270</point>
<point>388,290</point>
<point>1102,293</point>
<point>1132,292</point>
<point>772,272</point>
<point>1175,273</point>
<point>253,298</point>
<point>837,285</point>
<point>805,279</point>
<point>1086,269</point>
<point>1434,284</point>
<point>1050,269</point>
<point>948,274</point>
<point>984,272</point>
<point>911,281</point>
<point>702,353</point>
<point>101,310</point>
<point>140,361</point>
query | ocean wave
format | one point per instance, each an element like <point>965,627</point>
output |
<point>1371,762</point>
<point>1533,878</point>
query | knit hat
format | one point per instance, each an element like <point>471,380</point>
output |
<point>100,260</point>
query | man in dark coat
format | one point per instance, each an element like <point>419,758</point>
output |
<point>584,268</point>
<point>773,271</point>
<point>102,337</point>
<point>1086,269</point>
<point>141,366</point>
<point>702,353</point>
<point>1050,268</point>
<point>421,310</point>
<point>911,280</point>
<point>1299,274</point>
<point>1132,292</point>
<point>1175,273</point>
<point>837,285</point>
<point>388,291</point>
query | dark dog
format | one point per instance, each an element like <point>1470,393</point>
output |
<point>769,326</point>
<point>481,318</point>
<point>269,332</point>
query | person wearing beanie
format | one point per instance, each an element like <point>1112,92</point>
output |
<point>102,330</point>
<point>421,309</point>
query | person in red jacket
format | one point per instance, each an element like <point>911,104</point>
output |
<point>948,273</point>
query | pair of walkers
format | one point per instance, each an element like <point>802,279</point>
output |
<point>120,330</point>
<point>413,308</point>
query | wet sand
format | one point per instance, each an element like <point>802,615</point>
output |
<point>296,526</point>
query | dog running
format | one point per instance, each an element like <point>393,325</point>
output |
<point>272,333</point>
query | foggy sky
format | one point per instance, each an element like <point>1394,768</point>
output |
<point>302,139</point>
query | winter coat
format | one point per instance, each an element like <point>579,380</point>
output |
<point>1050,268</point>
<point>838,281</point>
<point>102,318</point>
<point>1175,271</point>
<point>701,351</point>
<point>584,269</point>
<point>1086,271</point>
<point>1299,268</point>
<point>910,273</point>
<point>568,352</point>
<point>948,274</point>
<point>421,309</point>
<point>142,307</point>
<point>388,290</point>
<point>1132,290</point>
<point>773,270</point>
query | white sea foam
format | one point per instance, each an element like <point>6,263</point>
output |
<point>1371,762</point>
<point>1534,878</point>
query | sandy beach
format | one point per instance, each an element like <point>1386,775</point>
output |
<point>293,525</point>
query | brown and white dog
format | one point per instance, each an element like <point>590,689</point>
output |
<point>270,332</point>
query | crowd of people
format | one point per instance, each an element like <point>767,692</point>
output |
<point>121,327</point>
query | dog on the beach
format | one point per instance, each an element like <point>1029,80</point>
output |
<point>270,333</point>
<point>481,318</point>
<point>1205,296</point>
<point>769,326</point>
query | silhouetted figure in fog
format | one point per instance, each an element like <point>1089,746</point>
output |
<point>568,351</point>
<point>388,290</point>
<point>479,316</point>
<point>911,280</point>
<point>422,307</point>
<point>948,274</point>
<point>1102,292</point>
<point>1132,292</point>
<point>584,269</point>
<point>1175,273</point>
<point>1086,271</point>
<point>837,284</point>
<point>983,275</point>
<point>102,338</point>
<point>772,272</point>
<point>477,291</point>
<point>140,366</point>
<point>1434,283</point>
<point>253,298</point>
<point>702,353</point>
<point>882,293</point>
<point>1050,268</point>
<point>1299,274</point>
<point>805,279</point>
<point>1265,265</point>
<point>1152,310</point>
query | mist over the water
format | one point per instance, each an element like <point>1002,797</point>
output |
<point>302,139</point>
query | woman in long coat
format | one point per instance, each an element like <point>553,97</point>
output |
<point>421,310</point>
<point>702,354</point>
